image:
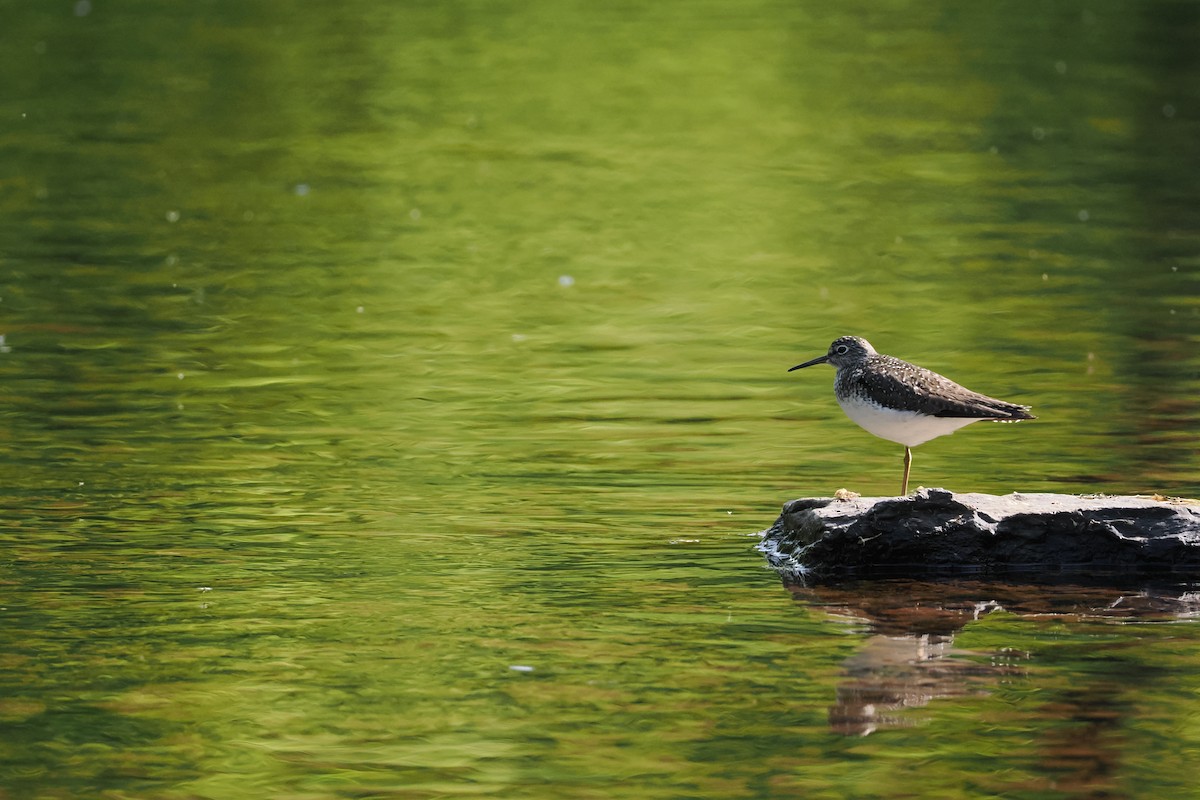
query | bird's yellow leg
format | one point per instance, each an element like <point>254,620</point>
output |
<point>907,466</point>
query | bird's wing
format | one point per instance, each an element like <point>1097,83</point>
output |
<point>912,388</point>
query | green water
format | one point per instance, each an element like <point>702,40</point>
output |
<point>392,392</point>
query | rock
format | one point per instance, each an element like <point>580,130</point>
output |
<point>939,532</point>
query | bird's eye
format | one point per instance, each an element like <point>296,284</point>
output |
<point>843,349</point>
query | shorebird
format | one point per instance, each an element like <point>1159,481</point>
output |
<point>904,403</point>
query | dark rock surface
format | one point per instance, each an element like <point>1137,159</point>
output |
<point>938,532</point>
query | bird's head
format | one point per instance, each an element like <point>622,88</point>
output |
<point>842,353</point>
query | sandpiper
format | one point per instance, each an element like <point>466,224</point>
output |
<point>904,403</point>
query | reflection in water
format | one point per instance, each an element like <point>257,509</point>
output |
<point>892,673</point>
<point>910,660</point>
<point>1080,743</point>
<point>918,607</point>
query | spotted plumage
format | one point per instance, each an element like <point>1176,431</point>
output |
<point>904,403</point>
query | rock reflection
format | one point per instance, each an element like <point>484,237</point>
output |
<point>910,659</point>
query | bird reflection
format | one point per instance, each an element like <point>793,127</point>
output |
<point>910,659</point>
<point>892,674</point>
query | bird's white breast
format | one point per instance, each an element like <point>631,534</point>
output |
<point>903,427</point>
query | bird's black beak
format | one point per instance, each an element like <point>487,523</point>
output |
<point>819,360</point>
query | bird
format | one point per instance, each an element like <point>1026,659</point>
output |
<point>904,403</point>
